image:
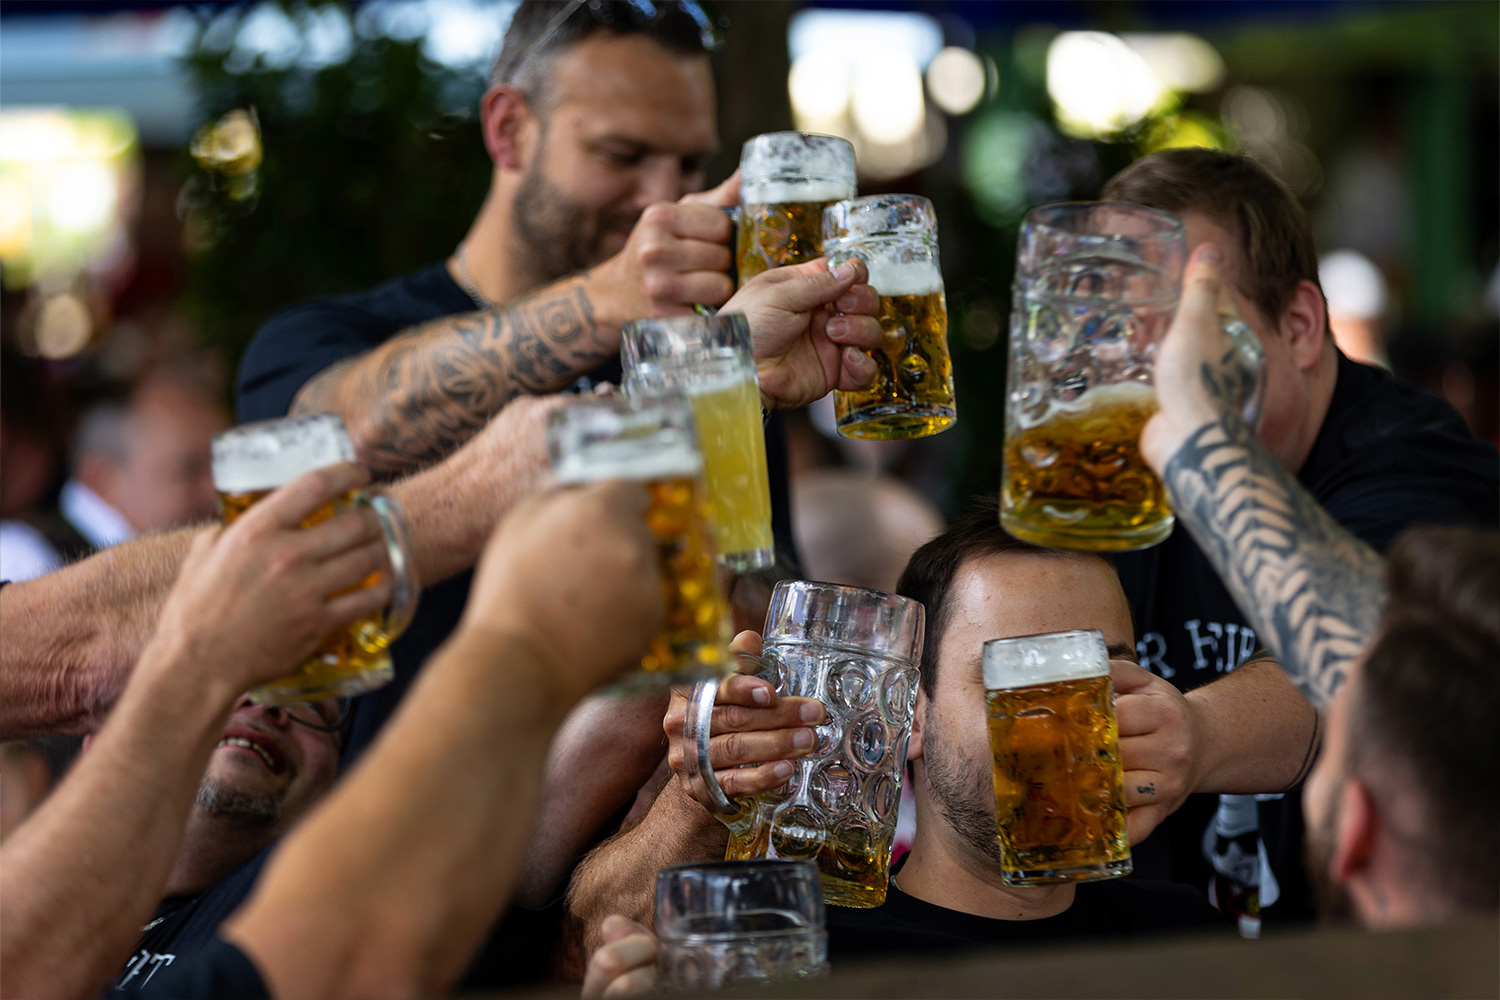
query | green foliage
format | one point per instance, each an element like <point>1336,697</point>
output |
<point>373,166</point>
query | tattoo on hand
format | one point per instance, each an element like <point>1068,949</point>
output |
<point>1310,588</point>
<point>427,391</point>
<point>1146,789</point>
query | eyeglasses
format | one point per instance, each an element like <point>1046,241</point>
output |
<point>636,15</point>
<point>326,716</point>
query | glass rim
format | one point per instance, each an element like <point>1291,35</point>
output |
<point>758,166</point>
<point>241,452</point>
<point>1036,219</point>
<point>767,866</point>
<point>1092,636</point>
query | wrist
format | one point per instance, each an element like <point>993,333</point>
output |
<point>538,688</point>
<point>610,293</point>
<point>1205,756</point>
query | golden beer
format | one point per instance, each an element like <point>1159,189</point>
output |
<point>774,234</point>
<point>1077,480</point>
<point>250,462</point>
<point>653,444</point>
<point>734,463</point>
<point>1059,785</point>
<point>853,861</point>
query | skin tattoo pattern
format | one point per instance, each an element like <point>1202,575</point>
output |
<point>430,389</point>
<point>1313,591</point>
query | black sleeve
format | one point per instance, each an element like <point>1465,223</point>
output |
<point>219,971</point>
<point>296,345</point>
<point>1378,508</point>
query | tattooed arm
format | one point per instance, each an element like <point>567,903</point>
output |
<point>1313,591</point>
<point>420,395</point>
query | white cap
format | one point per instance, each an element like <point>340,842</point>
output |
<point>271,453</point>
<point>1045,659</point>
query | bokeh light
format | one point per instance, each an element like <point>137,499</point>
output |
<point>956,79</point>
<point>1099,84</point>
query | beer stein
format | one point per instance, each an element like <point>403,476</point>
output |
<point>896,237</point>
<point>1096,287</point>
<point>655,443</point>
<point>739,922</point>
<point>711,360</point>
<point>249,462</point>
<point>1059,785</point>
<point>786,180</point>
<point>857,651</point>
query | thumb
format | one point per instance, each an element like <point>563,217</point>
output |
<point>1198,310</point>
<point>723,196</point>
<point>617,928</point>
<point>803,287</point>
<point>1127,677</point>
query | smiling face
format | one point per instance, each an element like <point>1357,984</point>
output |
<point>627,124</point>
<point>994,597</point>
<point>266,769</point>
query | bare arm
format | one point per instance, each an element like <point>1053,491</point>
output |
<point>1312,590</point>
<point>1270,757</point>
<point>81,875</point>
<point>72,636</point>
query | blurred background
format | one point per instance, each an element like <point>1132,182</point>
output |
<point>173,174</point>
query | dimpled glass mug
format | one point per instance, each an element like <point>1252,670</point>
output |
<point>856,651</point>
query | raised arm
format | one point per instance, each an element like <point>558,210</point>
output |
<point>423,393</point>
<point>391,884</point>
<point>81,875</point>
<point>1313,591</point>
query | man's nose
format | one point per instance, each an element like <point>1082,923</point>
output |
<point>274,714</point>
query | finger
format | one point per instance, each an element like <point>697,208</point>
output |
<point>1198,309</point>
<point>1141,821</point>
<point>738,782</point>
<point>688,255</point>
<point>1127,676</point>
<point>803,287</point>
<point>854,331</point>
<point>755,748</point>
<point>860,300</point>
<point>747,690</point>
<point>696,288</point>
<point>788,713</point>
<point>1144,788</point>
<point>617,927</point>
<point>727,193</point>
<point>747,643</point>
<point>345,530</point>
<point>698,222</point>
<point>347,569</point>
<point>359,603</point>
<point>634,983</point>
<point>298,500</point>
<point>856,369</point>
<point>612,962</point>
<point>1138,715</point>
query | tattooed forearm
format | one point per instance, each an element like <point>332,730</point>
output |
<point>426,391</point>
<point>1313,591</point>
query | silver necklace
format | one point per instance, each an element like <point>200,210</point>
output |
<point>466,279</point>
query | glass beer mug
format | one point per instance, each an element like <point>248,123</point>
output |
<point>856,651</point>
<point>786,180</point>
<point>654,443</point>
<point>912,395</point>
<point>252,460</point>
<point>1059,783</point>
<point>711,361</point>
<point>739,922</point>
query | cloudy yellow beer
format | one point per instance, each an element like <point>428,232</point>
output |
<point>1076,479</point>
<point>912,395</point>
<point>349,660</point>
<point>730,434</point>
<point>776,233</point>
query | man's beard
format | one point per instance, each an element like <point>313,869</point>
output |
<point>559,236</point>
<point>1332,900</point>
<point>964,796</point>
<point>217,799</point>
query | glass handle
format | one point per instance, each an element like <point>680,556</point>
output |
<point>405,588</point>
<point>697,726</point>
<point>1252,358</point>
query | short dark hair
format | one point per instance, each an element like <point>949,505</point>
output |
<point>529,50</point>
<point>1270,227</point>
<point>929,573</point>
<point>1425,704</point>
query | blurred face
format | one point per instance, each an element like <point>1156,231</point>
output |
<point>167,477</point>
<point>630,124</point>
<point>1320,805</point>
<point>999,597</point>
<point>266,769</point>
<point>1288,395</point>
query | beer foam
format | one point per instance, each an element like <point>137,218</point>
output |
<point>640,461</point>
<point>914,277</point>
<point>1045,659</point>
<point>780,191</point>
<point>271,453</point>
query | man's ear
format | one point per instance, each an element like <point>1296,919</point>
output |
<point>1355,834</point>
<point>1304,323</point>
<point>914,745</point>
<point>503,116</point>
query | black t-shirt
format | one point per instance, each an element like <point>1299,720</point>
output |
<point>1387,457</point>
<point>219,971</point>
<point>1113,909</point>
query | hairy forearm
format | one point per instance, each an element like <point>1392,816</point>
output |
<point>619,876</point>
<point>423,393</point>
<point>72,636</point>
<point>578,794</point>
<point>390,885</point>
<point>1312,590</point>
<point>81,875</point>
<point>1261,735</point>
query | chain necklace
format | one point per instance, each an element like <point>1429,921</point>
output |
<point>466,280</point>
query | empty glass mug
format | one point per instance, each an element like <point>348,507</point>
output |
<point>857,651</point>
<point>1059,784</point>
<point>249,462</point>
<point>739,922</point>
